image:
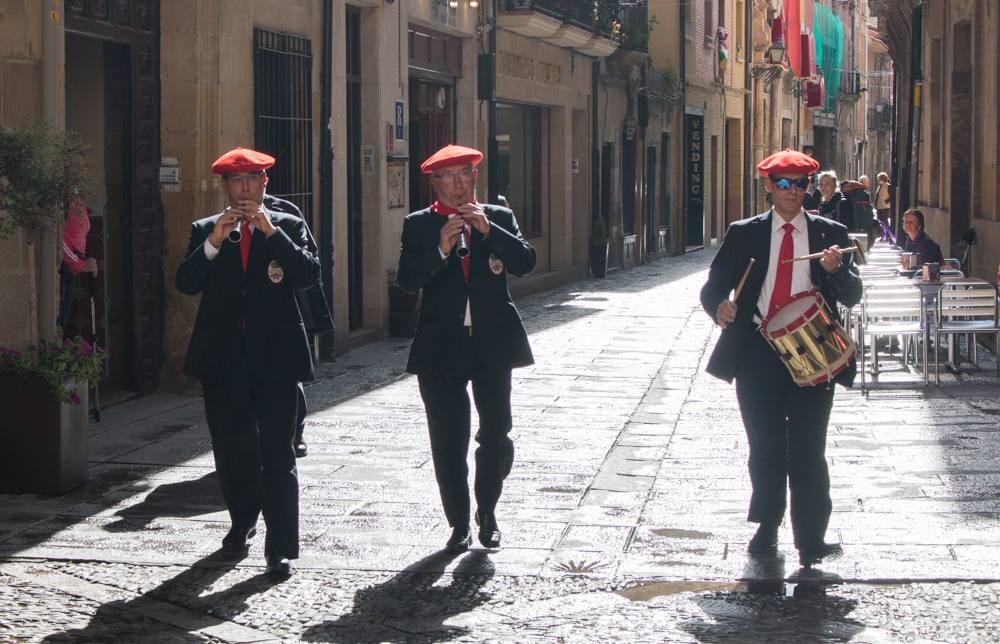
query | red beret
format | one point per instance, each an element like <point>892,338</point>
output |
<point>242,160</point>
<point>451,155</point>
<point>788,162</point>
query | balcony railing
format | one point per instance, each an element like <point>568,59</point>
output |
<point>634,20</point>
<point>600,16</point>
<point>880,117</point>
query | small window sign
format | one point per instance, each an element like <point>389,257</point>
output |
<point>399,120</point>
<point>170,174</point>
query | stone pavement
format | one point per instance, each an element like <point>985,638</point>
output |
<point>623,518</point>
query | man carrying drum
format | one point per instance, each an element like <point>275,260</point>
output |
<point>785,423</point>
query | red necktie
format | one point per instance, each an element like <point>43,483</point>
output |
<point>245,244</point>
<point>444,210</point>
<point>783,278</point>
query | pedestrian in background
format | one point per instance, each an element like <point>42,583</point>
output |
<point>74,257</point>
<point>857,193</point>
<point>249,350</point>
<point>883,199</point>
<point>459,252</point>
<point>785,424</point>
<point>833,205</point>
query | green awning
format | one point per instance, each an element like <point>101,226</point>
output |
<point>829,51</point>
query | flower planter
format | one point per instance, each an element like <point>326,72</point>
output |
<point>45,441</point>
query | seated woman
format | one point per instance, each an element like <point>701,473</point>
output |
<point>917,240</point>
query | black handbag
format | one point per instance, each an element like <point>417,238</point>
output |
<point>312,302</point>
<point>315,311</point>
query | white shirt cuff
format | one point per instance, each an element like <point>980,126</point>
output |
<point>444,257</point>
<point>210,250</point>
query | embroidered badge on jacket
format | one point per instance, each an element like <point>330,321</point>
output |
<point>274,272</point>
<point>496,265</point>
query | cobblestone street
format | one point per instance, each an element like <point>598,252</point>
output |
<point>623,518</point>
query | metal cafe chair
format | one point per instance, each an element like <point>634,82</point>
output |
<point>966,309</point>
<point>890,309</point>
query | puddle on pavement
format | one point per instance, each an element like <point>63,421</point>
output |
<point>798,589</point>
<point>647,591</point>
<point>676,533</point>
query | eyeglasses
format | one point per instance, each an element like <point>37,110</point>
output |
<point>462,175</point>
<point>786,184</point>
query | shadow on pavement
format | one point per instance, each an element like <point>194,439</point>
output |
<point>411,604</point>
<point>156,441</point>
<point>182,499</point>
<point>765,612</point>
<point>142,618</point>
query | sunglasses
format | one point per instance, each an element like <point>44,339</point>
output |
<point>786,184</point>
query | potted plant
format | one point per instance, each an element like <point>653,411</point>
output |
<point>44,395</point>
<point>40,170</point>
<point>599,248</point>
<point>404,309</point>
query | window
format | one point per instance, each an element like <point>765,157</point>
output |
<point>709,22</point>
<point>738,30</point>
<point>283,113</point>
<point>519,134</point>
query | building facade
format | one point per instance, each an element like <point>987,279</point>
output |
<point>349,96</point>
<point>945,124</point>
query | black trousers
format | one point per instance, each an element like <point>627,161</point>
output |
<point>446,401</point>
<point>252,427</point>
<point>786,429</point>
<point>67,287</point>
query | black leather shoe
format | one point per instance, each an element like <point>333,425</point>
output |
<point>817,553</point>
<point>237,540</point>
<point>765,540</point>
<point>460,539</point>
<point>301,449</point>
<point>489,533</point>
<point>278,568</point>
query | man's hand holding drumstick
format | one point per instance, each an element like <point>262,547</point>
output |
<point>725,313</point>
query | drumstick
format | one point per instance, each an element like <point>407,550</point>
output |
<point>746,274</point>
<point>819,254</point>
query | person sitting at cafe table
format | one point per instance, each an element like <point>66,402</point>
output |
<point>917,240</point>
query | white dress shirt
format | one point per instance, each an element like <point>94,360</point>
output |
<point>801,278</point>
<point>468,309</point>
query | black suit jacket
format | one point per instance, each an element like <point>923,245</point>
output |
<point>497,331</point>
<point>752,238</point>
<point>274,345</point>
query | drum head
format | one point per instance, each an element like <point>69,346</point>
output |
<point>792,315</point>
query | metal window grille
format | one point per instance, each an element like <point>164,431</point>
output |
<point>283,113</point>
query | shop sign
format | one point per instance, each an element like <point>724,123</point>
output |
<point>694,177</point>
<point>529,69</point>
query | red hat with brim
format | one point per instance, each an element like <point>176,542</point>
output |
<point>451,155</point>
<point>788,162</point>
<point>242,160</point>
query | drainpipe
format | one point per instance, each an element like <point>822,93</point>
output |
<point>54,114</point>
<point>747,110</point>
<point>492,148</point>
<point>595,149</point>
<point>681,228</point>
<point>917,76</point>
<point>326,167</point>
